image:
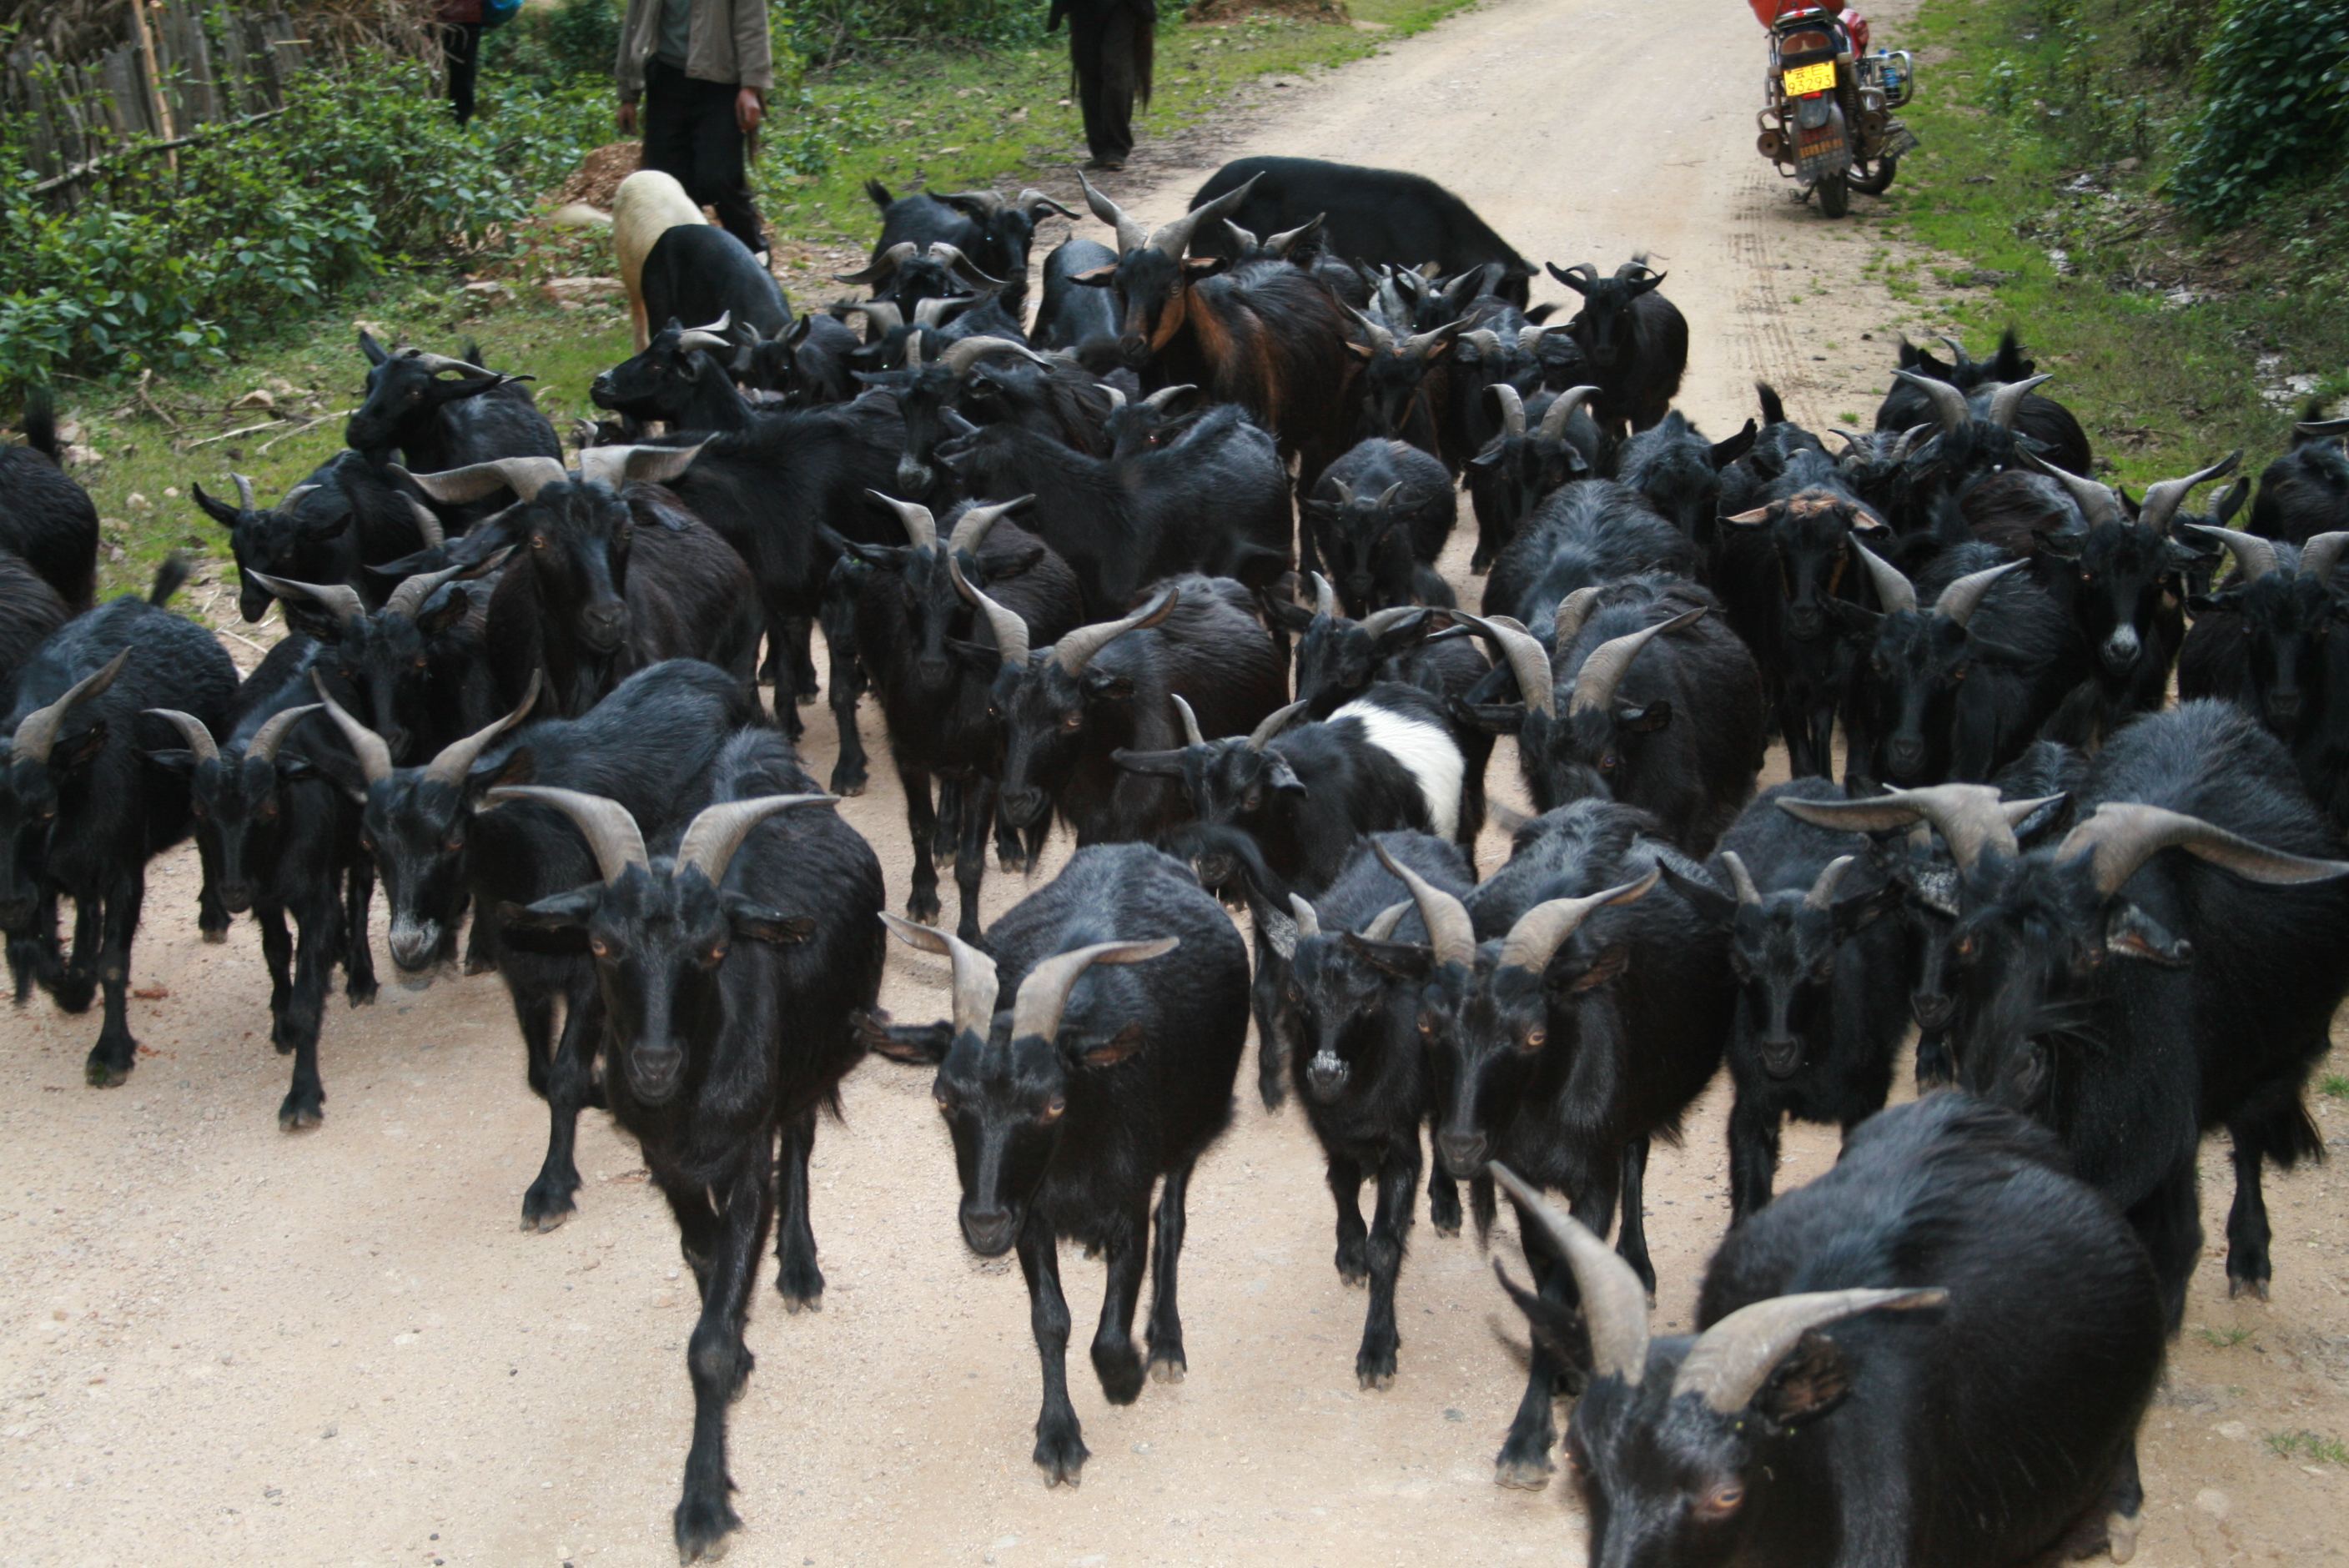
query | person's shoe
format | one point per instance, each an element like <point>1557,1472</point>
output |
<point>1105,164</point>
<point>766,259</point>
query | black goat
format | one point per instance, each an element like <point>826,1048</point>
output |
<point>1378,520</point>
<point>1633,340</point>
<point>990,380</point>
<point>905,276</point>
<point>996,234</point>
<point>1908,405</point>
<point>1677,473</point>
<point>1072,315</point>
<point>30,610</point>
<point>1822,991</point>
<point>46,518</point>
<point>431,413</point>
<point>348,515</point>
<point>81,812</point>
<point>1744,484</point>
<point>278,835</point>
<point>1068,1107</point>
<point>735,968</point>
<point>1588,534</point>
<point>1544,442</point>
<point>2304,492</point>
<point>1567,1038</point>
<point>1407,384</point>
<point>682,376</point>
<point>700,271</point>
<point>650,744</point>
<point>1935,1354</point>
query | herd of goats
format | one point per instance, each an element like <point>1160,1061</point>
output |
<point>1062,557</point>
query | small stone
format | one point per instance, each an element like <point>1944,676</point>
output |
<point>2213,1501</point>
<point>137,502</point>
<point>579,290</point>
<point>259,398</point>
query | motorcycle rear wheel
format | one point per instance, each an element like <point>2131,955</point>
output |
<point>1835,195</point>
<point>1878,183</point>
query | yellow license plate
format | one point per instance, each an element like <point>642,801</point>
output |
<point>1804,80</point>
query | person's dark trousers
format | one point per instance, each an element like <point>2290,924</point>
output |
<point>460,45</point>
<point>1110,43</point>
<point>690,133</point>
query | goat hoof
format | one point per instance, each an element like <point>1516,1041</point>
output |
<point>214,936</point>
<point>1060,1453</point>
<point>702,1526</point>
<point>922,910</point>
<point>361,993</point>
<point>1167,1365</point>
<point>1353,1263</point>
<point>481,964</point>
<point>1121,1372</point>
<point>1372,1381</point>
<point>801,1289</point>
<point>2120,1535</point>
<point>300,1113</point>
<point>545,1206</point>
<point>2237,1287</point>
<point>1524,1474</point>
<point>104,1072</point>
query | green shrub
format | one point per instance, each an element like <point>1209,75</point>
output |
<point>2275,110</point>
<point>553,45</point>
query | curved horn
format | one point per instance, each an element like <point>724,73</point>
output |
<point>1523,652</point>
<point>2007,399</point>
<point>963,264</point>
<point>2319,429</point>
<point>880,268</point>
<point>262,746</point>
<point>1191,735</point>
<point>2122,836</point>
<point>1383,924</point>
<point>1244,238</point>
<point>1130,234</point>
<point>38,731</point>
<point>1563,408</point>
<point>712,336</point>
<point>1960,599</point>
<point>1959,358</point>
<point>717,831</point>
<point>1823,891</point>
<point>1449,931</point>
<point>1566,620</point>
<point>1729,1361</point>
<point>1381,337</point>
<point>441,364</point>
<point>1420,343</point>
<point>2163,500</point>
<point>427,524</point>
<point>880,315</point>
<point>1325,598</point>
<point>1741,881</point>
<point>1308,920</point>
<point>292,497</point>
<point>1173,239</point>
<point>1075,650</point>
<point>975,979</point>
<point>1970,818</point>
<point>2254,557</point>
<point>1614,1301</point>
<point>920,526</point>
<point>1950,410</point>
<point>1542,930</point>
<point>612,835</point>
<point>456,759</point>
<point>373,756</point>
<point>617,466</point>
<point>409,597</point>
<point>1513,408</point>
<point>1116,395</point>
<point>191,730</point>
<point>1603,671</point>
<point>524,476</point>
<point>1043,995</point>
<point>988,203</point>
<point>339,599</point>
<point>1157,401</point>
<point>1264,734</point>
<point>1010,631</point>
<point>1033,202</point>
<point>2096,501</point>
<point>1893,589</point>
<point>960,356</point>
<point>2321,554</point>
<point>244,483</point>
<point>971,530</point>
<point>1381,621</point>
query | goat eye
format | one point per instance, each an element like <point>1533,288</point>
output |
<point>599,947</point>
<point>1427,1025</point>
<point>1073,721</point>
<point>538,542</point>
<point>1964,946</point>
<point>453,842</point>
<point>716,955</point>
<point>1609,763</point>
<point>1536,1038</point>
<point>1722,1500</point>
<point>1054,1110</point>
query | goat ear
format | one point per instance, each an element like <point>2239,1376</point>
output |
<point>1810,1380</point>
<point>1283,778</point>
<point>1195,268</point>
<point>2233,501</point>
<point>1093,1051</point>
<point>1860,911</point>
<point>1488,458</point>
<point>1095,277</point>
<point>1360,350</point>
<point>80,748</point>
<point>1856,622</point>
<point>325,526</point>
<point>1612,964</point>
<point>220,511</point>
<point>1106,685</point>
<point>1285,613</point>
<point>176,760</point>
<point>566,911</point>
<point>2130,933</point>
<point>977,656</point>
<point>371,348</point>
<point>889,557</point>
<point>1013,563</point>
<point>465,386</point>
<point>1645,720</point>
<point>1713,906</point>
<point>757,923</point>
<point>519,767</point>
<point>1556,1327</point>
<point>1491,718</point>
<point>916,1045</point>
<point>1403,960</point>
<point>447,610</point>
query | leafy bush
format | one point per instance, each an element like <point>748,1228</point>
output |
<point>255,229</point>
<point>2275,110</point>
<point>554,45</point>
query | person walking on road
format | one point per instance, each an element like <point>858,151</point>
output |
<point>1110,44</point>
<point>702,68</point>
<point>460,50</point>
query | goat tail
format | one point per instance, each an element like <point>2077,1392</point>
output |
<point>1773,410</point>
<point>2281,1132</point>
<point>879,194</point>
<point>41,424</point>
<point>170,578</point>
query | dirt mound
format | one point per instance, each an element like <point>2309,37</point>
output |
<point>599,176</point>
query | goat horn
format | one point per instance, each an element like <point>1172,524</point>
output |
<point>441,364</point>
<point>2007,399</point>
<point>1173,239</point>
<point>963,264</point>
<point>2096,501</point>
<point>1893,589</point>
<point>882,267</point>
<point>1381,337</point>
<point>1741,881</point>
<point>1156,402</point>
<point>1345,491</point>
<point>368,748</point>
<point>1960,599</point>
<point>960,356</point>
<point>717,831</point>
<point>456,759</point>
<point>1419,344</point>
<point>1450,933</point>
<point>971,529</point>
<point>1729,1361</point>
<point>612,835</point>
<point>1244,238</point>
<point>244,483</point>
<point>1958,355</point>
<point>1264,734</point>
<point>920,526</point>
<point>1603,671</point>
<point>1486,342</point>
<point>1513,409</point>
<point>2322,553</point>
<point>1542,930</point>
<point>711,336</point>
<point>1010,631</point>
<point>1614,1301</point>
<point>1523,653</point>
<point>409,597</point>
<point>879,313</point>
<point>2122,836</point>
<point>1043,995</point>
<point>975,979</point>
<point>427,524</point>
<point>1823,891</point>
<point>1191,735</point>
<point>1308,920</point>
<point>1130,234</point>
<point>1950,409</point>
<point>1566,620</point>
<point>338,599</point>
<point>1970,818</point>
<point>2163,500</point>
<point>1562,409</point>
<point>294,495</point>
<point>524,476</point>
<point>1032,200</point>
<point>617,466</point>
<point>191,730</point>
<point>262,746</point>
<point>1283,242</point>
<point>2254,557</point>
<point>988,201</point>
<point>1380,621</point>
<point>1116,395</point>
<point>1383,924</point>
<point>1325,598</point>
<point>2319,429</point>
<point>1074,651</point>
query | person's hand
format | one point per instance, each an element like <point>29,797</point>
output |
<point>628,116</point>
<point>749,110</point>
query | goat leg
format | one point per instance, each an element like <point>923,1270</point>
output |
<point>718,1361</point>
<point>1168,1361</point>
<point>112,1059</point>
<point>1353,1240</point>
<point>1060,1452</point>
<point>1115,1360</point>
<point>971,853</point>
<point>797,1278</point>
<point>277,955</point>
<point>359,956</point>
<point>1374,1364</point>
<point>569,1073</point>
<point>320,928</point>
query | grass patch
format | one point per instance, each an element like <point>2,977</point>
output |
<point>2334,1086</point>
<point>2044,129</point>
<point>944,118</point>
<point>2309,1445</point>
<point>2222,1339</point>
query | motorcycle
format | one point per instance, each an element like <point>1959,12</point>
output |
<point>1829,121</point>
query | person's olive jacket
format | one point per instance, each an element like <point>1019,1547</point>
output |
<point>728,44</point>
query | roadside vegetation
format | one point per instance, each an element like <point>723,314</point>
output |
<point>2157,193</point>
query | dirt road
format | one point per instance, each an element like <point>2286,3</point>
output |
<point>221,1342</point>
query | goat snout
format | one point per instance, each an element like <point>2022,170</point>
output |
<point>1022,807</point>
<point>1781,1055</point>
<point>1326,1075</point>
<point>2121,649</point>
<point>2283,708</point>
<point>1905,754</point>
<point>1804,622</point>
<point>1463,1153</point>
<point>414,943</point>
<point>1931,1010</point>
<point>603,626</point>
<point>235,896</point>
<point>912,478</point>
<point>654,1075</point>
<point>990,1232</point>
